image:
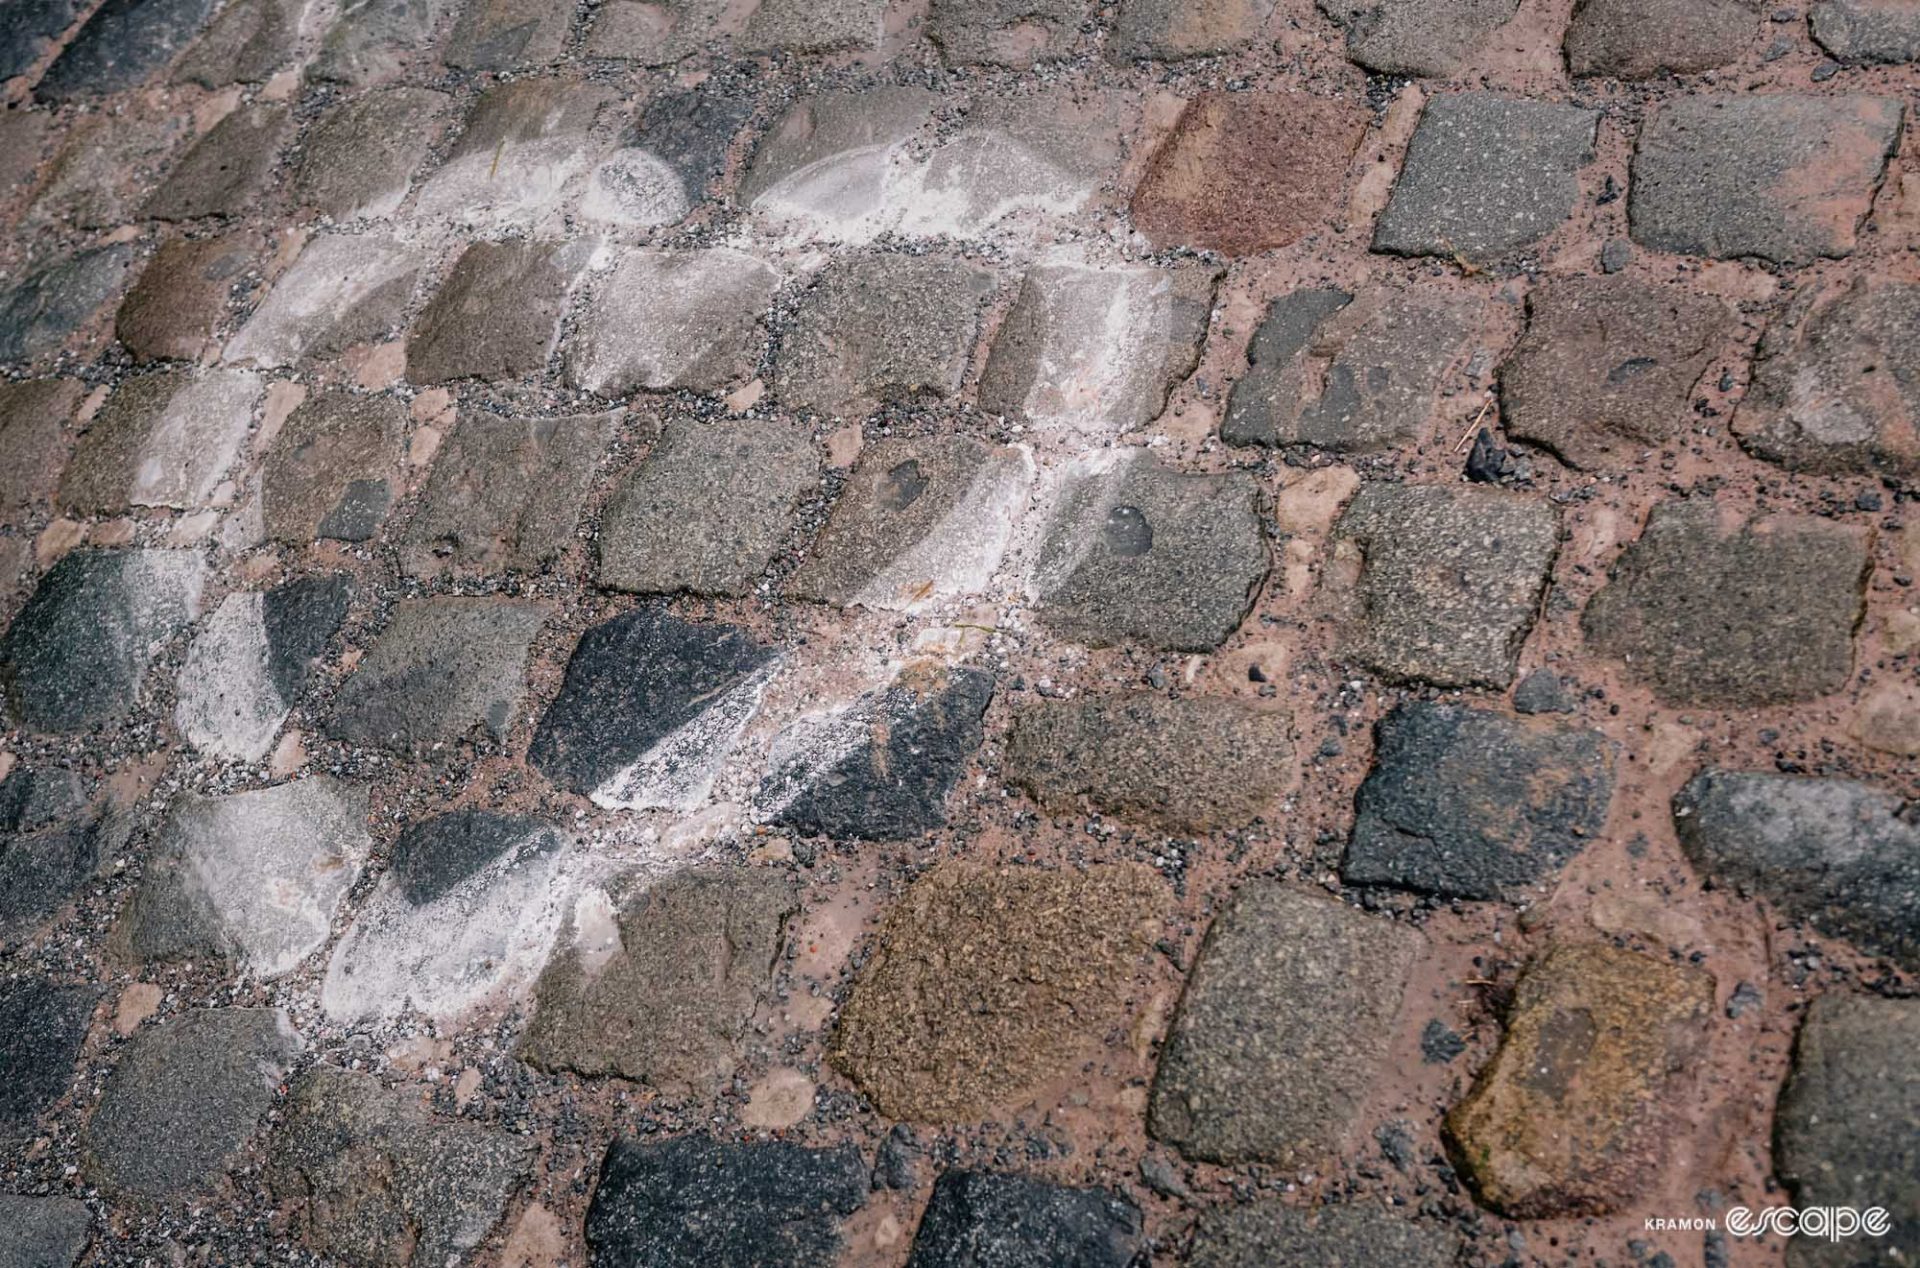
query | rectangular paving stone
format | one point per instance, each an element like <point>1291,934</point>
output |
<point>124,43</point>
<point>1270,1231</point>
<point>497,314</point>
<point>358,161</point>
<point>245,668</point>
<point>827,160</point>
<point>672,157</point>
<point>1017,1219</point>
<point>1639,39</point>
<point>653,34</point>
<point>333,471</point>
<point>247,43</point>
<point>1782,176</point>
<point>1172,30</point>
<point>508,34</point>
<point>105,166</point>
<point>1867,30</point>
<point>1012,33</point>
<point>344,289</point>
<point>181,300</point>
<point>525,146</point>
<point>50,1232</point>
<point>43,306</point>
<point>35,418</point>
<point>43,1025</point>
<point>1420,39</point>
<point>372,40</point>
<point>163,439</point>
<point>664,321</point>
<point>226,171</point>
<point>813,26</point>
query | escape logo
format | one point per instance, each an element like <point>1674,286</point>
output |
<point>1830,1222</point>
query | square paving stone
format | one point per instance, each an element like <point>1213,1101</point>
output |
<point>708,509</point>
<point>508,34</point>
<point>371,40</point>
<point>938,1038</point>
<point>333,469</point>
<point>497,315</point>
<point>669,1007</point>
<point>1867,30</point>
<point>226,171</point>
<point>182,297</point>
<point>1431,39</point>
<point>1709,611</point>
<point>41,308</point>
<point>1607,367</point>
<point>1267,1232</point>
<point>665,321</point>
<point>163,439</point>
<point>1638,39</point>
<point>813,26</point>
<point>122,45</point>
<point>830,155</point>
<point>32,28</point>
<point>1486,175</point>
<point>652,33</point>
<point>874,330</point>
<point>1834,389</point>
<point>77,654</point>
<point>247,43</point>
<point>694,1200</point>
<point>1834,853</point>
<point>1574,1116</point>
<point>1136,552</point>
<point>1285,1021</point>
<point>1098,350</point>
<point>1783,177</point>
<point>443,668</point>
<point>1345,375</point>
<point>1473,805</point>
<point>1173,30</point>
<point>1849,1124</point>
<point>523,149</point>
<point>1185,765</point>
<point>1012,33</point>
<point>358,161</point>
<point>35,415</point>
<point>505,494</point>
<point>246,667</point>
<point>43,1232</point>
<point>343,290</point>
<point>985,1219</point>
<point>184,1100</point>
<point>42,1027</point>
<point>1450,580</point>
<point>919,521</point>
<point>1247,171</point>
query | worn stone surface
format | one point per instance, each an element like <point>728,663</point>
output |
<point>1783,176</point>
<point>1186,765</point>
<point>1138,552</point>
<point>333,468</point>
<point>51,844</point>
<point>1867,30</point>
<point>981,1218</point>
<point>508,35</point>
<point>1832,852</point>
<point>813,26</point>
<point>919,521</point>
<point>252,876</point>
<point>36,417</point>
<point>1434,39</point>
<point>104,167</point>
<point>1472,805</point>
<point>829,156</point>
<point>122,45</point>
<point>505,494</point>
<point>1268,1231</point>
<point>182,297</point>
<point>358,161</point>
<point>344,289</point>
<point>42,308</point>
<point>524,146</point>
<point>1346,375</point>
<point>1486,175</point>
<point>667,320</point>
<point>690,131</point>
<point>652,34</point>
<point>246,44</point>
<point>497,315</point>
<point>1848,1120</point>
<point>1245,171</point>
<point>76,656</point>
<point>1834,390</point>
<point>371,40</point>
<point>1014,33</point>
<point>444,668</point>
<point>1449,580</point>
<point>247,666</point>
<point>668,1006</point>
<point>695,1200</point>
<point>1285,1019</point>
<point>708,509</point>
<point>42,1026</point>
<point>1172,30</point>
<point>224,172</point>
<point>1638,39</point>
<point>941,1038</point>
<point>161,440</point>
<point>1709,610</point>
<point>375,1178</point>
<point>32,28</point>
<point>183,1101</point>
<point>1573,1116</point>
<point>649,704</point>
<point>1607,367</point>
<point>42,1232</point>
<point>1097,350</point>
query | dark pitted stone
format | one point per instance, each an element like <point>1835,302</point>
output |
<point>333,468</point>
<point>1269,1232</point>
<point>77,654</point>
<point>985,1219</point>
<point>122,45</point>
<point>1608,366</point>
<point>434,855</point>
<point>226,170</point>
<point>247,43</point>
<point>1840,855</point>
<point>1185,765</point>
<point>32,798</point>
<point>881,769</point>
<point>633,682</point>
<point>1574,1115</point>
<point>1868,30</point>
<point>1173,30</point>
<point>1430,39</point>
<point>34,419</point>
<point>1709,610</point>
<point>376,1179</point>
<point>1014,33</point>
<point>1347,376</point>
<point>42,1026</point>
<point>1834,390</point>
<point>299,619</point>
<point>44,307</point>
<point>1450,580</point>
<point>505,494</point>
<point>1473,805</point>
<point>1638,39</point>
<point>691,130</point>
<point>30,30</point>
<point>1543,691</point>
<point>1282,1029</point>
<point>443,668</point>
<point>173,311</point>
<point>508,34</point>
<point>1782,176</point>
<point>51,844</point>
<point>42,1232</point>
<point>694,1200</point>
<point>371,39</point>
<point>183,1101</point>
<point>1141,553</point>
<point>359,159</point>
<point>1486,175</point>
<point>1848,1125</point>
<point>497,316</point>
<point>708,509</point>
<point>669,1006</point>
